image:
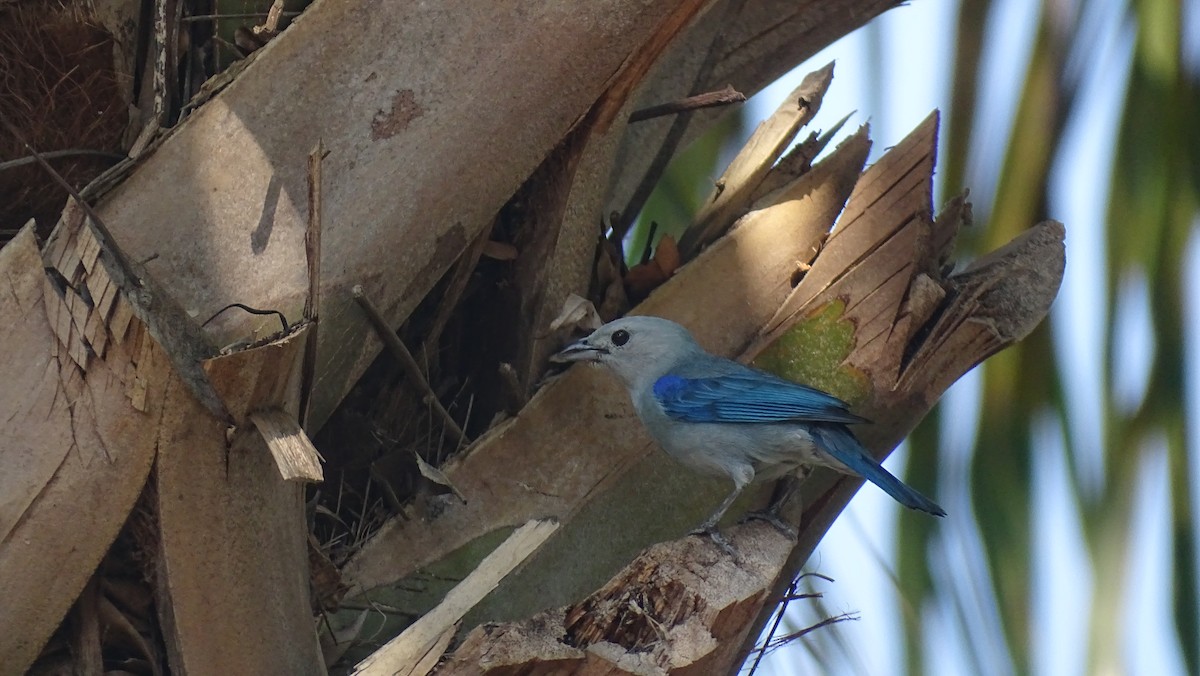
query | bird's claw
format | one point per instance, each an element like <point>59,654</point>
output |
<point>773,519</point>
<point>719,540</point>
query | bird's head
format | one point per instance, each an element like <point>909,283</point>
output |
<point>634,348</point>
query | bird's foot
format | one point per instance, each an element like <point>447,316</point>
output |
<point>773,519</point>
<point>719,540</point>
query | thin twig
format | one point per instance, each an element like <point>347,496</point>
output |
<point>312,253</point>
<point>55,154</point>
<point>774,626</point>
<point>784,640</point>
<point>312,236</point>
<point>770,643</point>
<point>721,97</point>
<point>407,362</point>
<point>244,15</point>
<point>466,421</point>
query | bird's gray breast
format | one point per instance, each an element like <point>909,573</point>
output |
<point>725,449</point>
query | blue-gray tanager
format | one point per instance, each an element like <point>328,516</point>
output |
<point>728,420</point>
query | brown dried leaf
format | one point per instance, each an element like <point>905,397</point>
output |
<point>666,254</point>
<point>644,278</point>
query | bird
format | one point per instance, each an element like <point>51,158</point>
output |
<point>725,419</point>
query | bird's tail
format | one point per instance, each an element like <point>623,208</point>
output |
<point>841,444</point>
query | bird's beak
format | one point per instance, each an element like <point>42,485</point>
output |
<point>580,350</point>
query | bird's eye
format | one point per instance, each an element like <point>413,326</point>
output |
<point>620,337</point>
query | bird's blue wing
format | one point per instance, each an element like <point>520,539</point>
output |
<point>748,396</point>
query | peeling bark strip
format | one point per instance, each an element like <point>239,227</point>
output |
<point>109,327</point>
<point>418,648</point>
<point>86,308</point>
<point>680,607</point>
<point>294,453</point>
<point>83,390</point>
<point>735,189</point>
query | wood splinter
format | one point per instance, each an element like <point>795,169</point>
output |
<point>419,649</point>
<point>294,453</point>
